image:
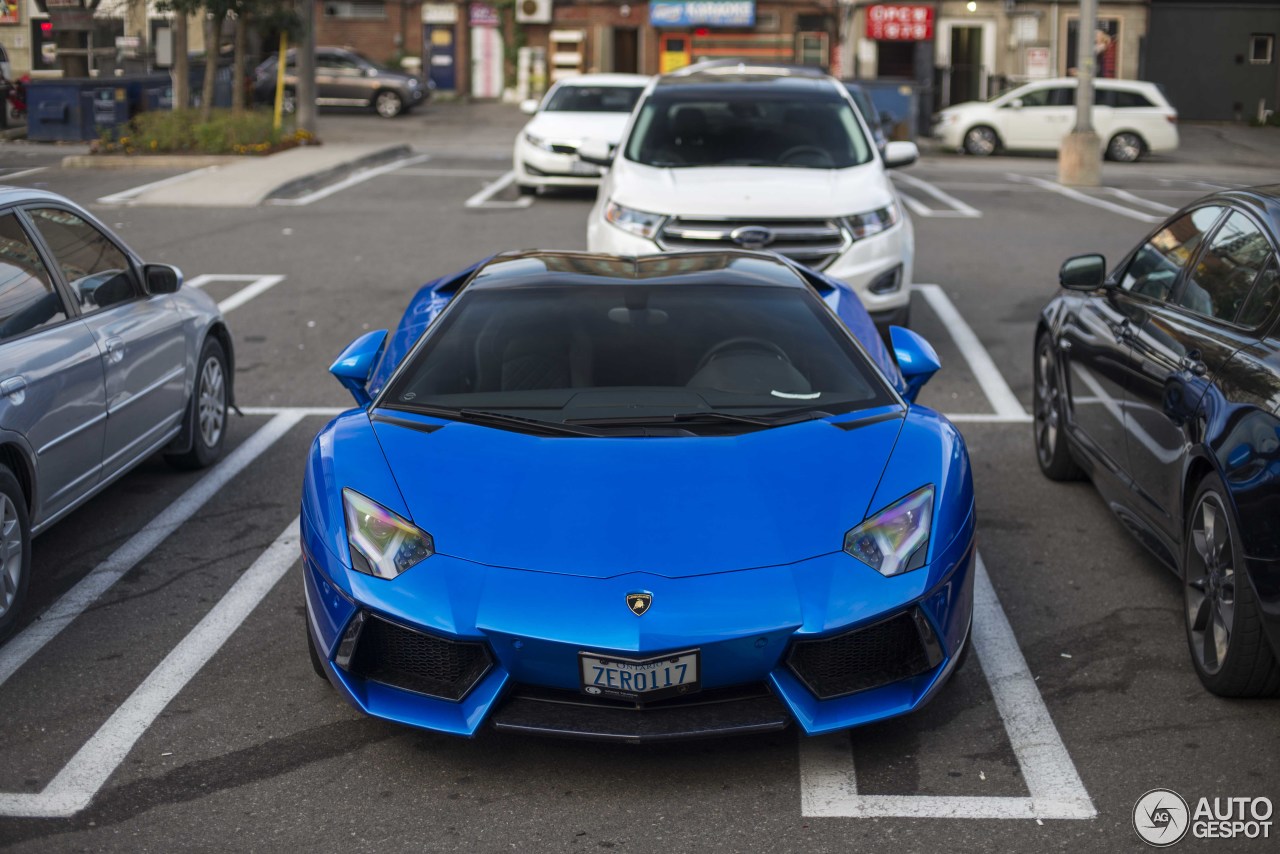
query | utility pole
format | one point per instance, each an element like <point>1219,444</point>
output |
<point>1080,158</point>
<point>306,54</point>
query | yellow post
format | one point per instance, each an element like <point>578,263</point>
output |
<point>281,60</point>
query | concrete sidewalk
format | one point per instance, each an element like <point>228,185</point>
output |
<point>249,182</point>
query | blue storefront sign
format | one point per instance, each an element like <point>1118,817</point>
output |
<point>702,13</point>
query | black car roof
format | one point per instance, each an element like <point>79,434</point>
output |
<point>764,78</point>
<point>1265,200</point>
<point>542,268</point>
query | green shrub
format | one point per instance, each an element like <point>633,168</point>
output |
<point>181,131</point>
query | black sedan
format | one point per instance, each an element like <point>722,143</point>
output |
<point>1161,382</point>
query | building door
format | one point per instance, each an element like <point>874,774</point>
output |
<point>486,62</point>
<point>896,59</point>
<point>442,53</point>
<point>812,49</point>
<point>966,65</point>
<point>673,52</point>
<point>626,50</point>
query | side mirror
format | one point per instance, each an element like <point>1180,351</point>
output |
<point>916,358</point>
<point>162,278</point>
<point>529,106</point>
<point>596,151</point>
<point>1015,104</point>
<point>899,154</point>
<point>353,367</point>
<point>1083,272</point>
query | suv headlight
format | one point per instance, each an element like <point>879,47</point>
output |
<point>537,141</point>
<point>873,222</point>
<point>631,220</point>
<point>382,543</point>
<point>895,540</point>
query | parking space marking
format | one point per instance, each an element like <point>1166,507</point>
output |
<point>828,780</point>
<point>1003,400</point>
<point>483,199</point>
<point>33,638</point>
<point>955,207</point>
<point>126,197</point>
<point>257,285</point>
<point>1125,195</point>
<point>79,781</point>
<point>23,173</point>
<point>444,172</point>
<point>357,177</point>
<point>1087,199</point>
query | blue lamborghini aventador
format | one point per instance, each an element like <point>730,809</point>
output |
<point>637,499</point>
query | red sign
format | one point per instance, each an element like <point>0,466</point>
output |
<point>894,23</point>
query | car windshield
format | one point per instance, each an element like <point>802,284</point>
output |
<point>593,99</point>
<point>748,128</point>
<point>734,357</point>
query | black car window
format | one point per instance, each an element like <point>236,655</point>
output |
<point>1035,98</point>
<point>1063,96</point>
<point>1226,270</point>
<point>1154,268</point>
<point>1264,296</point>
<point>1127,100</point>
<point>594,99</point>
<point>97,271</point>
<point>28,299</point>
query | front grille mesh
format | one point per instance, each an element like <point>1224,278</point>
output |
<point>403,658</point>
<point>812,242</point>
<point>862,659</point>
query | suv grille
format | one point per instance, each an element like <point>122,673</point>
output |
<point>812,242</point>
<point>426,664</point>
<point>897,648</point>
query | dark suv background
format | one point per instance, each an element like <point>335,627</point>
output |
<point>344,78</point>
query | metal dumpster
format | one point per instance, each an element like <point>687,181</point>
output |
<point>74,109</point>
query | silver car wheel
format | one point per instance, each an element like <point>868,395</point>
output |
<point>388,104</point>
<point>212,401</point>
<point>1210,583</point>
<point>10,554</point>
<point>1125,147</point>
<point>980,141</point>
<point>1046,405</point>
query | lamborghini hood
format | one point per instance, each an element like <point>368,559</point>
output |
<point>601,507</point>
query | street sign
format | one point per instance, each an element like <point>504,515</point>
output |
<point>891,22</point>
<point>702,13</point>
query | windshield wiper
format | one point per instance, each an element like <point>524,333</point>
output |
<point>486,418</point>
<point>711,415</point>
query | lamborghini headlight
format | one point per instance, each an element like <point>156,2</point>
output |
<point>895,540</point>
<point>631,220</point>
<point>873,222</point>
<point>382,543</point>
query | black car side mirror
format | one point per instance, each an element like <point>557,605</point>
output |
<point>162,278</point>
<point>1083,272</point>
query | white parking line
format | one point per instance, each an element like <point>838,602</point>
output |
<point>126,197</point>
<point>482,198</point>
<point>444,172</point>
<point>956,208</point>
<point>23,173</point>
<point>828,781</point>
<point>1138,200</point>
<point>257,286</point>
<point>1003,400</point>
<point>1083,197</point>
<point>80,780</point>
<point>33,638</point>
<point>357,177</point>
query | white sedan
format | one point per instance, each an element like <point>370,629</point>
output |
<point>588,106</point>
<point>1131,117</point>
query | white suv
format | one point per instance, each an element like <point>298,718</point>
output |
<point>1131,117</point>
<point>747,157</point>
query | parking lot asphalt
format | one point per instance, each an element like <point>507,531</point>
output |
<point>177,709</point>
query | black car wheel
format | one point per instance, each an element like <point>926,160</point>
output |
<point>1052,451</point>
<point>15,551</point>
<point>981,141</point>
<point>207,409</point>
<point>388,104</point>
<point>1125,147</point>
<point>527,189</point>
<point>1230,652</point>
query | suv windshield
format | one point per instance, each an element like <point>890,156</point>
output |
<point>593,99</point>
<point>623,355</point>
<point>747,127</point>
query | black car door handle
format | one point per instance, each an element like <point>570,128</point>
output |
<point>1191,362</point>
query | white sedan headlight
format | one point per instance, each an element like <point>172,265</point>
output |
<point>631,220</point>
<point>895,540</point>
<point>537,141</point>
<point>873,222</point>
<point>382,543</point>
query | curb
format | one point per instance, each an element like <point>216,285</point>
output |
<point>147,161</point>
<point>318,180</point>
<point>16,132</point>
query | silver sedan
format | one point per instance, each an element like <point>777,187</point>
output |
<point>104,361</point>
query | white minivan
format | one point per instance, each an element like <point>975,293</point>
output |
<point>734,156</point>
<point>1131,117</point>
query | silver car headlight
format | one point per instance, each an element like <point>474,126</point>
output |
<point>631,220</point>
<point>873,222</point>
<point>382,543</point>
<point>895,540</point>
<point>537,141</point>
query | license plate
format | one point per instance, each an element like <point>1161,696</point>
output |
<point>640,681</point>
<point>577,167</point>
